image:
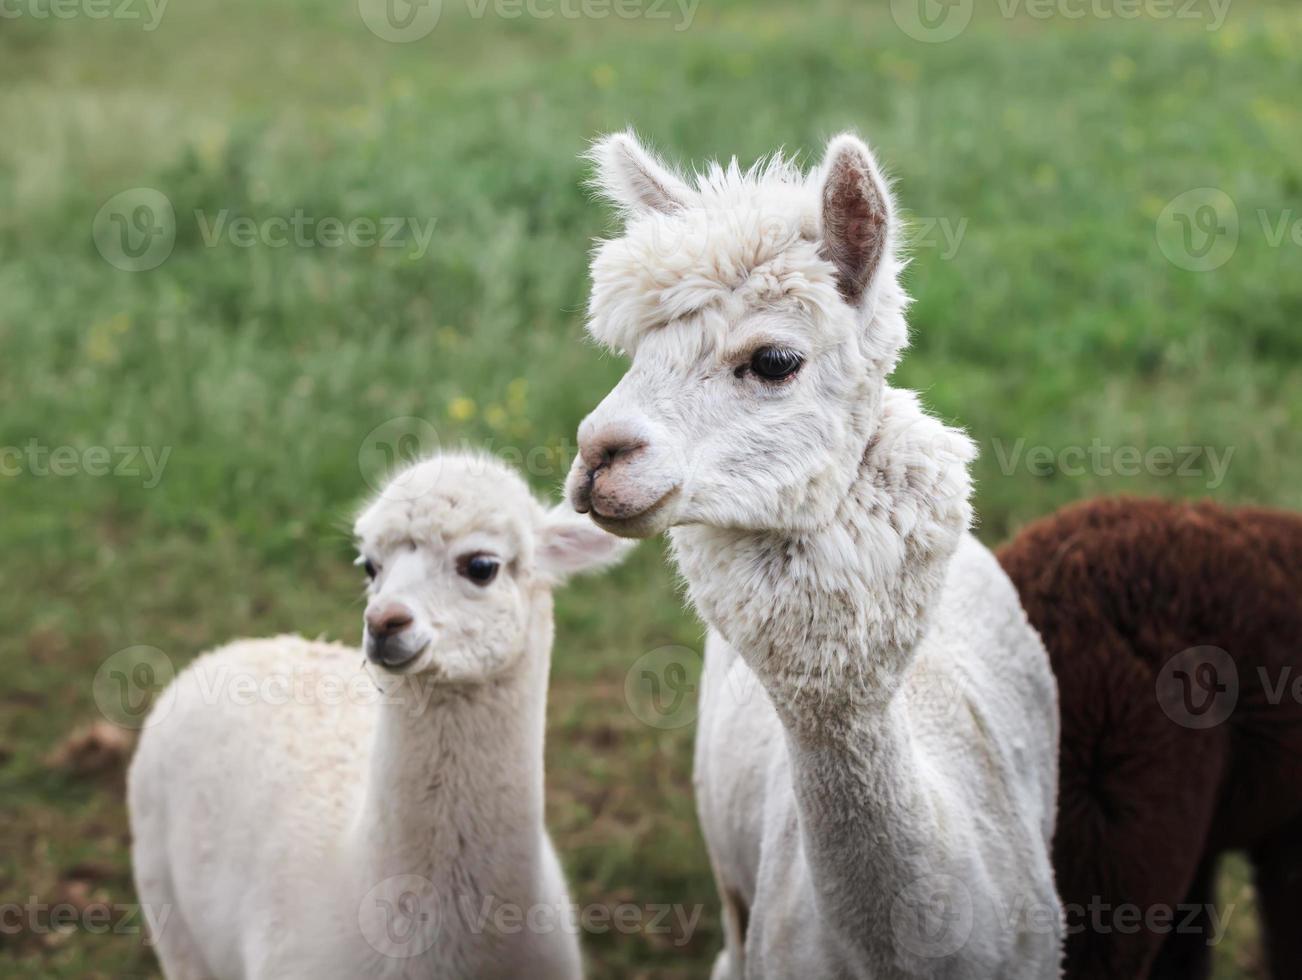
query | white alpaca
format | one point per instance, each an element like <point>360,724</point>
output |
<point>877,745</point>
<point>299,813</point>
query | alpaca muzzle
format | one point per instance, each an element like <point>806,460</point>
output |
<point>603,480</point>
<point>618,487</point>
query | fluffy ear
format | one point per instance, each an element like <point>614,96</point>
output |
<point>634,180</point>
<point>858,214</point>
<point>570,543</point>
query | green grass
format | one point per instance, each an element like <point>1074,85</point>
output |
<point>1055,144</point>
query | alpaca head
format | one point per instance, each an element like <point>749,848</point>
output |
<point>457,553</point>
<point>762,313</point>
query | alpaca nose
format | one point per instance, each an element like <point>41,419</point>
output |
<point>606,447</point>
<point>600,450</point>
<point>388,621</point>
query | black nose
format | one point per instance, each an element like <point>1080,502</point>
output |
<point>581,495</point>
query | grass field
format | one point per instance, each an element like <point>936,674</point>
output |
<point>1066,300</point>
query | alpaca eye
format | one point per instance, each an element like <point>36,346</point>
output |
<point>480,569</point>
<point>368,567</point>
<point>775,363</point>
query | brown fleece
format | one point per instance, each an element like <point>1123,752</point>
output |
<point>1148,801</point>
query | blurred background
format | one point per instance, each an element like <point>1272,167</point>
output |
<point>252,250</point>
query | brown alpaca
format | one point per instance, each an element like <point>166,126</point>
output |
<point>1163,768</point>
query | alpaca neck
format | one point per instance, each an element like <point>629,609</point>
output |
<point>829,621</point>
<point>454,791</point>
<point>829,618</point>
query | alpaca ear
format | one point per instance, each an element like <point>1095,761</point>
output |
<point>858,215</point>
<point>570,543</point>
<point>634,180</point>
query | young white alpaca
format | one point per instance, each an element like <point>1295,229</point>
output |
<point>877,745</point>
<point>291,820</point>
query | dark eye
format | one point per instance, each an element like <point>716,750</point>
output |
<point>368,567</point>
<point>775,363</point>
<point>480,569</point>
